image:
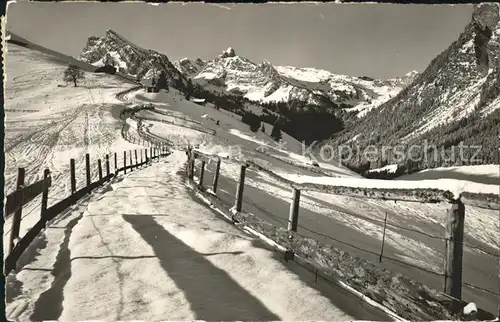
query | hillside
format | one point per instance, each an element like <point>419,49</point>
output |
<point>455,100</point>
<point>52,56</point>
<point>128,58</point>
<point>47,122</point>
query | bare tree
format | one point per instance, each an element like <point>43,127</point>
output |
<point>73,74</point>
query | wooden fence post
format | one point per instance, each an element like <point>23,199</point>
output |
<point>146,155</point>
<point>202,172</point>
<point>16,219</point>
<point>72,175</point>
<point>383,240</point>
<point>142,159</point>
<point>239,191</point>
<point>130,159</point>
<point>136,160</point>
<point>216,176</point>
<point>45,198</point>
<point>107,164</point>
<point>151,154</point>
<point>454,249</point>
<point>87,168</point>
<point>116,164</point>
<point>124,161</point>
<point>99,169</point>
<point>191,167</point>
<point>293,216</point>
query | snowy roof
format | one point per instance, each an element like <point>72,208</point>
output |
<point>198,100</point>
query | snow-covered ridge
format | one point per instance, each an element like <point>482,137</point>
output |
<point>362,93</point>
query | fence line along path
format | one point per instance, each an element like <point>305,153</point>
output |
<point>24,194</point>
<point>455,217</point>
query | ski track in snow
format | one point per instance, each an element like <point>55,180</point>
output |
<point>69,123</point>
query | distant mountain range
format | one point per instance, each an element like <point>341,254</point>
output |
<point>264,83</point>
<point>230,74</point>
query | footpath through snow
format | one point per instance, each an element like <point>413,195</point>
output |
<point>145,250</point>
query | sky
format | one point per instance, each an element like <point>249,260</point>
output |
<point>377,40</point>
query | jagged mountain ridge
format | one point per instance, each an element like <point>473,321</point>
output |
<point>127,58</point>
<point>189,67</point>
<point>456,99</point>
<point>264,83</point>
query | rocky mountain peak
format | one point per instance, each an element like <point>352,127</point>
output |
<point>128,58</point>
<point>228,53</point>
<point>114,36</point>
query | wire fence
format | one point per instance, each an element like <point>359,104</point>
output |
<point>275,209</point>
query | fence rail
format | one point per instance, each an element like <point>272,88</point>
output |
<point>453,238</point>
<point>22,195</point>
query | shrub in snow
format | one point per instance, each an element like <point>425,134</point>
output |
<point>251,119</point>
<point>276,133</point>
<point>189,89</point>
<point>162,82</point>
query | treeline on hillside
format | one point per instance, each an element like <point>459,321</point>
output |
<point>469,141</point>
<point>254,121</point>
<point>304,123</point>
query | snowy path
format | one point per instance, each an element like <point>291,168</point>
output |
<point>144,250</point>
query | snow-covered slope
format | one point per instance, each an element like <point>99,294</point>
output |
<point>457,98</point>
<point>47,122</point>
<point>486,174</point>
<point>297,86</point>
<point>51,55</point>
<point>128,58</point>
